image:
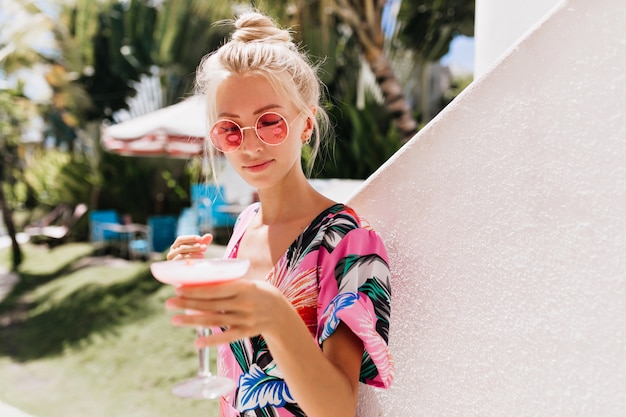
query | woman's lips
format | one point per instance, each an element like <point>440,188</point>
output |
<point>257,167</point>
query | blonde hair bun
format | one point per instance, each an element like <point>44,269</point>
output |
<point>256,27</point>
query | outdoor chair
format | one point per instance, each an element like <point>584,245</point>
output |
<point>161,232</point>
<point>57,225</point>
<point>100,222</point>
<point>139,245</point>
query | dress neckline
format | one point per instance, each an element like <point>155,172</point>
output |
<point>253,210</point>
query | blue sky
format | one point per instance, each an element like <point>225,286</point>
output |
<point>460,58</point>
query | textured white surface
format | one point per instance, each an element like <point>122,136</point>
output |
<point>505,220</point>
<point>501,23</point>
<point>9,411</point>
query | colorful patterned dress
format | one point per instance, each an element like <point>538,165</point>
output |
<point>336,270</point>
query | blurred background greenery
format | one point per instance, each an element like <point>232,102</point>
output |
<point>101,61</point>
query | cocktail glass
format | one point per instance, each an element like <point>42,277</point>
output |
<point>196,272</point>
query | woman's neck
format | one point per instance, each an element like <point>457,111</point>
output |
<point>291,201</point>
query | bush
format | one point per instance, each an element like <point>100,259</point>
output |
<point>364,140</point>
<point>54,177</point>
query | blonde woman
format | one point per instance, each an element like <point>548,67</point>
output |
<point>311,319</point>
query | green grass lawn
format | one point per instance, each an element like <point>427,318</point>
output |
<point>92,338</point>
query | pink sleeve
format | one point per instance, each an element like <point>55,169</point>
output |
<point>355,289</point>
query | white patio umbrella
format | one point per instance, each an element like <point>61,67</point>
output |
<point>178,130</point>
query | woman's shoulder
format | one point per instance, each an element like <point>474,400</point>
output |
<point>339,221</point>
<point>340,213</point>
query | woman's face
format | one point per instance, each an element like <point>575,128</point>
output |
<point>243,99</point>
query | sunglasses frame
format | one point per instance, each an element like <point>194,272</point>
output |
<point>254,127</point>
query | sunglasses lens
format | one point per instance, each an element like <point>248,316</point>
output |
<point>226,135</point>
<point>272,128</point>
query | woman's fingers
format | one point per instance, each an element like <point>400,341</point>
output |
<point>233,311</point>
<point>246,308</point>
<point>220,305</point>
<point>227,289</point>
<point>206,238</point>
<point>189,247</point>
<point>214,319</point>
<point>186,240</point>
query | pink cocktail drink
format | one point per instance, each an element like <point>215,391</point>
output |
<point>201,272</point>
<point>192,272</point>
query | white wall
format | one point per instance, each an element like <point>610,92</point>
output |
<point>505,220</point>
<point>500,24</point>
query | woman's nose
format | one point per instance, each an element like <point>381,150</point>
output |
<point>251,142</point>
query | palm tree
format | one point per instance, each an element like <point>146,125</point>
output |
<point>364,17</point>
<point>120,42</point>
<point>422,35</point>
<point>329,27</point>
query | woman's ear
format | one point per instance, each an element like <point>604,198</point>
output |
<point>308,128</point>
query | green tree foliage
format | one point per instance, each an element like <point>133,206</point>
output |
<point>428,26</point>
<point>109,83</point>
<point>110,45</point>
<point>136,37</point>
<point>107,45</point>
<point>21,27</point>
<point>364,136</point>
<point>344,33</point>
<point>50,168</point>
<point>143,186</point>
<point>364,139</point>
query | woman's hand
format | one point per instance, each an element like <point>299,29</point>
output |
<point>189,247</point>
<point>245,308</point>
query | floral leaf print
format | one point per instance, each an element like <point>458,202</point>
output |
<point>309,276</point>
<point>330,318</point>
<point>380,296</point>
<point>368,368</point>
<point>353,271</point>
<point>368,275</point>
<point>258,344</point>
<point>298,286</point>
<point>241,354</point>
<point>309,240</point>
<point>357,311</point>
<point>376,350</point>
<point>336,229</point>
<point>258,390</point>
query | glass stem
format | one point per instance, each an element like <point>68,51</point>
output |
<point>204,365</point>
